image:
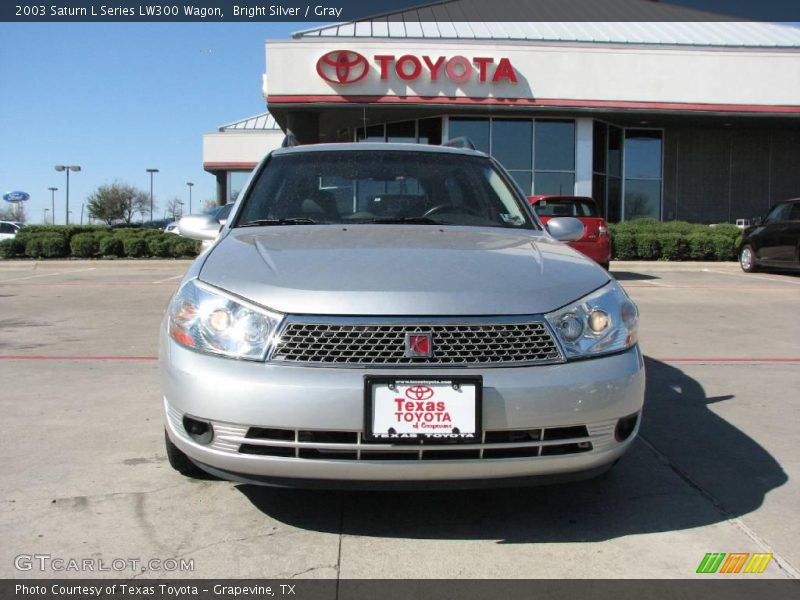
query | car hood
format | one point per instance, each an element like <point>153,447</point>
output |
<point>399,270</point>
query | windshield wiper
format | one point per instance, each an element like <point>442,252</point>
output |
<point>403,220</point>
<point>263,222</point>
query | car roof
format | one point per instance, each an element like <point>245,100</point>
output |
<point>376,147</point>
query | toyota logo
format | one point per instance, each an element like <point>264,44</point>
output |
<point>419,392</point>
<point>342,67</point>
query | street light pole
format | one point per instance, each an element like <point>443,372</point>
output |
<point>53,191</point>
<point>151,171</point>
<point>44,217</point>
<point>68,168</point>
<point>191,185</point>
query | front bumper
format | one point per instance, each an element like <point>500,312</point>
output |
<point>315,418</point>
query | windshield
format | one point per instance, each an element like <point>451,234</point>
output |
<point>371,186</point>
<point>566,207</point>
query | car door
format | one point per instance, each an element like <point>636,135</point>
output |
<point>789,234</point>
<point>770,245</point>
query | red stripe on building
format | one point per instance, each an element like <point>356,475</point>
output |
<point>539,102</point>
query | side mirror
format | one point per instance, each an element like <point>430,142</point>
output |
<point>199,227</point>
<point>565,229</point>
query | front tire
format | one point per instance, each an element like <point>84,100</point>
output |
<point>179,461</point>
<point>747,259</point>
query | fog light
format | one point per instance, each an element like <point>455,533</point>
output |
<point>625,427</point>
<point>200,431</point>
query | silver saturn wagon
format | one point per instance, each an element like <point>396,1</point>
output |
<point>394,315</point>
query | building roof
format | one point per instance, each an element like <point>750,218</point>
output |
<point>262,122</point>
<point>656,23</point>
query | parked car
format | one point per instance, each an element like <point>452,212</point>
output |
<point>8,230</point>
<point>774,241</point>
<point>595,242</point>
<point>393,315</point>
<point>172,227</point>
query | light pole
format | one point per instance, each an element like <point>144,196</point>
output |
<point>67,168</point>
<point>151,171</point>
<point>190,185</point>
<point>44,218</point>
<point>53,191</point>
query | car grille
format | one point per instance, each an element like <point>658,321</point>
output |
<point>461,344</point>
<point>350,445</point>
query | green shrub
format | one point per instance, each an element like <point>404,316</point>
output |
<point>701,246</point>
<point>135,246</point>
<point>11,248</point>
<point>673,246</point>
<point>184,247</point>
<point>46,245</point>
<point>648,246</point>
<point>724,247</point>
<point>111,246</point>
<point>160,246</point>
<point>623,246</point>
<point>84,245</point>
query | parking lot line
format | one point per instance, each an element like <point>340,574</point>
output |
<point>728,360</point>
<point>48,275</point>
<point>751,276</point>
<point>78,357</point>
<point>169,278</point>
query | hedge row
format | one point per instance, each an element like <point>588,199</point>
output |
<point>59,241</point>
<point>648,239</point>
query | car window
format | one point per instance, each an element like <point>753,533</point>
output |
<point>7,228</point>
<point>367,186</point>
<point>794,215</point>
<point>779,213</point>
<point>566,207</point>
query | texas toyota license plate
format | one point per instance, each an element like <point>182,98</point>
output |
<point>424,409</point>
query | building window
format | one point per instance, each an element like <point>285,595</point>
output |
<point>476,130</point>
<point>642,165</point>
<point>512,147</point>
<point>422,131</point>
<point>236,181</point>
<point>607,170</point>
<point>538,153</point>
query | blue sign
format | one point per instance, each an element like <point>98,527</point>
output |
<point>16,196</point>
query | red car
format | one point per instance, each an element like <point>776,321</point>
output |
<point>595,242</point>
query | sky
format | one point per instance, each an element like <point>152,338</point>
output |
<point>118,98</point>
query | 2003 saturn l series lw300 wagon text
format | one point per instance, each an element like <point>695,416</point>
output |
<point>381,315</point>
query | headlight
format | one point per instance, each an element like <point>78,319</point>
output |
<point>209,320</point>
<point>604,321</point>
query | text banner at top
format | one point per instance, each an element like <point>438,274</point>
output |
<point>337,11</point>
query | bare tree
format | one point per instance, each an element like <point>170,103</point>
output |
<point>13,212</point>
<point>175,208</point>
<point>117,202</point>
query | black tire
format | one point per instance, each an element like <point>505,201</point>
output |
<point>179,461</point>
<point>747,259</point>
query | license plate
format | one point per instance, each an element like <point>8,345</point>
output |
<point>423,409</point>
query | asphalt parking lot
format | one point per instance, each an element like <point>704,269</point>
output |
<point>84,474</point>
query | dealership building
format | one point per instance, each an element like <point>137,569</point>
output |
<point>697,121</point>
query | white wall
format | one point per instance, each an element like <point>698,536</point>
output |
<point>558,72</point>
<point>239,146</point>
